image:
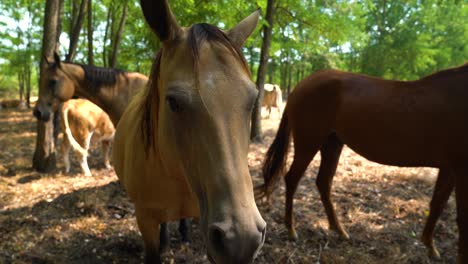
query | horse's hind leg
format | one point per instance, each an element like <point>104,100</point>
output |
<point>442,190</point>
<point>302,159</point>
<point>149,230</point>
<point>461,194</point>
<point>330,153</point>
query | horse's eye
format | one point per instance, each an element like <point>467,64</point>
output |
<point>173,104</point>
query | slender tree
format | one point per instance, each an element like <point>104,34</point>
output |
<point>75,30</point>
<point>256,130</point>
<point>117,37</point>
<point>44,155</point>
<point>90,33</point>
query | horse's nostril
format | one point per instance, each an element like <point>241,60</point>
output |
<point>217,237</point>
<point>37,113</point>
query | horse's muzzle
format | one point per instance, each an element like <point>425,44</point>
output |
<point>41,116</point>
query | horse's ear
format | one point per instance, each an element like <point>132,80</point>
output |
<point>159,16</point>
<point>242,31</point>
<point>57,59</point>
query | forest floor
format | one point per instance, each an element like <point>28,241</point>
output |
<point>70,218</point>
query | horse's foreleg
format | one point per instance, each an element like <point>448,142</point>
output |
<point>292,178</point>
<point>164,237</point>
<point>330,152</point>
<point>442,190</point>
<point>149,230</point>
<point>184,229</point>
<point>461,194</point>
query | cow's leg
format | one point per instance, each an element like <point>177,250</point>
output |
<point>105,151</point>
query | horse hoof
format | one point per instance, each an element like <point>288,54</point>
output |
<point>343,234</point>
<point>433,253</point>
<point>292,235</point>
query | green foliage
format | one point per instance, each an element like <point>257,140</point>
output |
<point>391,39</point>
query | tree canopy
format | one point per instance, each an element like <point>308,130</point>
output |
<point>391,39</point>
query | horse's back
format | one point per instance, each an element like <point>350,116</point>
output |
<point>390,122</point>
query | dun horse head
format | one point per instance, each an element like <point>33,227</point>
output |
<point>56,86</point>
<point>204,94</point>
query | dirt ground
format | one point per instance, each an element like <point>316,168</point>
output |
<point>70,218</point>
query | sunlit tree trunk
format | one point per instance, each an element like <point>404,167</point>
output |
<point>256,131</point>
<point>75,31</point>
<point>44,154</point>
<point>117,38</point>
<point>106,33</point>
<point>90,33</point>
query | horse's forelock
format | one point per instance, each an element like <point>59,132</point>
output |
<point>197,35</point>
<point>202,32</point>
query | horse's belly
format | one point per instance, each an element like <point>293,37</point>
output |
<point>395,146</point>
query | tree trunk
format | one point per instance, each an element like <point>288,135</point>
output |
<point>290,73</point>
<point>117,38</point>
<point>28,85</point>
<point>75,31</point>
<point>59,26</point>
<point>44,154</point>
<point>106,33</point>
<point>256,131</point>
<point>21,84</point>
<point>90,33</point>
<point>251,61</point>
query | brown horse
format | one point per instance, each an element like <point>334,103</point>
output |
<point>415,124</point>
<point>180,148</point>
<point>272,98</point>
<point>110,89</point>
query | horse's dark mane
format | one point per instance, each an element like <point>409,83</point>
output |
<point>97,77</point>
<point>197,35</point>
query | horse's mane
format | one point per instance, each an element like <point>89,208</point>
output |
<point>197,35</point>
<point>447,72</point>
<point>97,77</point>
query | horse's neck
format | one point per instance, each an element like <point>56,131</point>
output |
<point>108,98</point>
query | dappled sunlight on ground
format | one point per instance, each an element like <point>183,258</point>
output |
<point>70,218</point>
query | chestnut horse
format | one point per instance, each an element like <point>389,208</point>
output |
<point>110,89</point>
<point>181,146</point>
<point>421,123</point>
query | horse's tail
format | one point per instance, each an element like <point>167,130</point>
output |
<point>69,134</point>
<point>275,160</point>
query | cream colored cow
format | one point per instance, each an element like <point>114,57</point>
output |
<point>82,120</point>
